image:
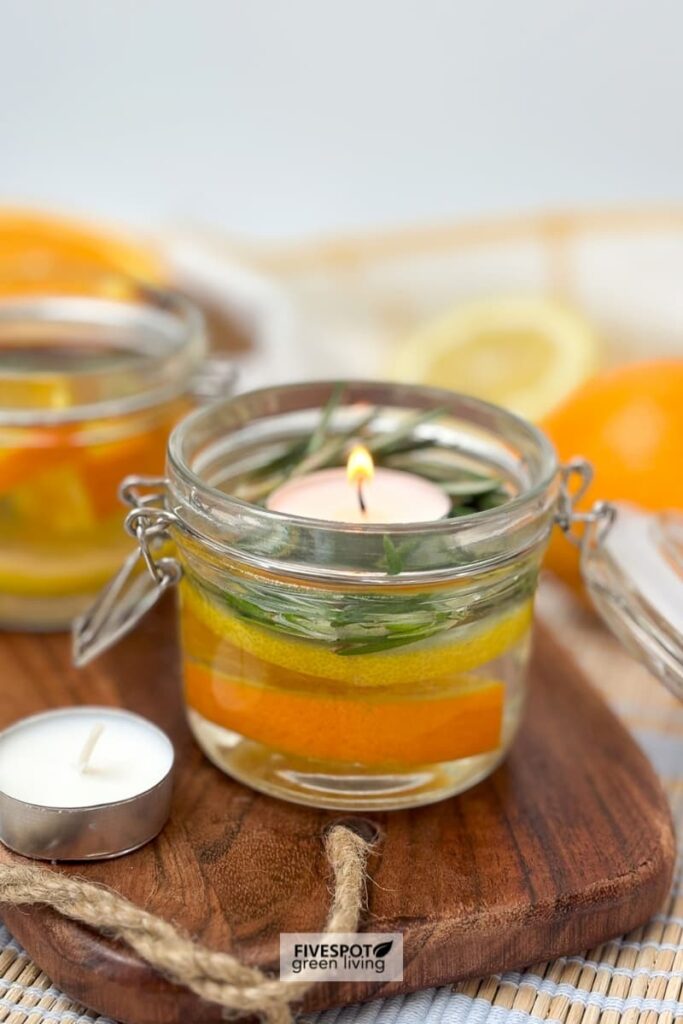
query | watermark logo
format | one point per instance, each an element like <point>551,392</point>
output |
<point>345,956</point>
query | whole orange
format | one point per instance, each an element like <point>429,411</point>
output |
<point>628,423</point>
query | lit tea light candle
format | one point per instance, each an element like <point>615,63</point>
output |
<point>83,783</point>
<point>361,493</point>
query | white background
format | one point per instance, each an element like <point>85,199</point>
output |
<point>290,117</point>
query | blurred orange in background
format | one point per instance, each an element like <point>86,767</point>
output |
<point>628,423</point>
<point>45,253</point>
<point>40,251</point>
<point>61,531</point>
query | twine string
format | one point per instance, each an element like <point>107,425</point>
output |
<point>217,977</point>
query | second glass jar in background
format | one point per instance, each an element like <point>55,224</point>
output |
<point>89,385</point>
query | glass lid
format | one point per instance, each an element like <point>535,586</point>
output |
<point>633,568</point>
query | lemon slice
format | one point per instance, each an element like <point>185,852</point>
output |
<point>464,649</point>
<point>50,573</point>
<point>524,353</point>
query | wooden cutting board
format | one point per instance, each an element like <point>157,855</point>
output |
<point>568,844</point>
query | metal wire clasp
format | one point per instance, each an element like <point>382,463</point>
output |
<point>576,477</point>
<point>148,522</point>
<point>141,580</point>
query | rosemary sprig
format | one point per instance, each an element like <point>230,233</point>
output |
<point>395,554</point>
<point>353,624</point>
<point>319,435</point>
<point>386,443</point>
<point>331,450</point>
<point>299,459</point>
<point>400,448</point>
<point>469,488</point>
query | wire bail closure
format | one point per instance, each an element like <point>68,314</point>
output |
<point>576,476</point>
<point>141,580</point>
<point>147,522</point>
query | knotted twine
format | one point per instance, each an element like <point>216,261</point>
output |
<point>217,977</point>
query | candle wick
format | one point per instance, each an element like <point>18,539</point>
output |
<point>361,499</point>
<point>89,746</point>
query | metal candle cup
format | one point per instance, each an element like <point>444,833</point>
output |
<point>53,808</point>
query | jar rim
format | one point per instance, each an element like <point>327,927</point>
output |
<point>174,347</point>
<point>178,462</point>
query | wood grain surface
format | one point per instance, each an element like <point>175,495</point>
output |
<point>568,844</point>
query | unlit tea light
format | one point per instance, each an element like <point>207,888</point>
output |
<point>83,783</point>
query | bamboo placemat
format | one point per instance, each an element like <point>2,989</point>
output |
<point>636,978</point>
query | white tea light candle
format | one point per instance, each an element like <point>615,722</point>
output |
<point>40,758</point>
<point>79,783</point>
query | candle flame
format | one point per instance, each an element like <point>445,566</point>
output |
<point>359,466</point>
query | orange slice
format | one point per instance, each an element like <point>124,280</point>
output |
<point>37,450</point>
<point>339,727</point>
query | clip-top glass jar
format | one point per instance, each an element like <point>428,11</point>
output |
<point>350,665</point>
<point>90,385</point>
<point>344,665</point>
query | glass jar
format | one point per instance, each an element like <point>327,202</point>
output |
<point>334,664</point>
<point>89,386</point>
<point>369,666</point>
